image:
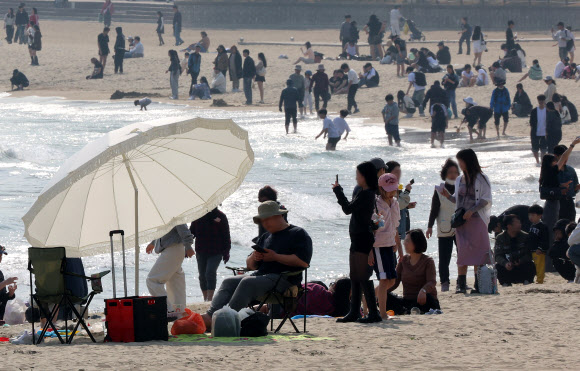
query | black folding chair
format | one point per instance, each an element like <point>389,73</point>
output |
<point>49,268</point>
<point>288,300</point>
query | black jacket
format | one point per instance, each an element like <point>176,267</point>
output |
<point>249,69</point>
<point>177,21</point>
<point>238,63</point>
<point>444,56</point>
<point>120,41</point>
<point>361,209</point>
<point>435,94</point>
<point>289,97</point>
<point>21,18</point>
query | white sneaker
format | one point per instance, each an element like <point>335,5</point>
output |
<point>24,339</point>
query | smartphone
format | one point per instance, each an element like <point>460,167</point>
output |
<point>259,249</point>
<point>412,181</point>
<point>336,178</point>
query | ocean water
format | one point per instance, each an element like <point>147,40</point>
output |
<point>39,134</point>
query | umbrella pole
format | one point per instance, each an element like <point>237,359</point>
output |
<point>136,226</point>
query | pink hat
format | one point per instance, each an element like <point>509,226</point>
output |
<point>389,182</point>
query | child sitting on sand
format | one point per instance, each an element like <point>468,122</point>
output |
<point>387,240</point>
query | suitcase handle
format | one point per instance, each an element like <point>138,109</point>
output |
<point>118,231</point>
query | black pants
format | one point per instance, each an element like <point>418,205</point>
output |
<point>467,42</point>
<point>9,34</point>
<point>193,81</point>
<point>498,115</point>
<point>518,274</point>
<point>445,252</point>
<point>118,59</point>
<point>567,209</point>
<point>403,306</point>
<point>351,95</point>
<point>317,96</point>
<point>564,267</point>
<point>291,113</point>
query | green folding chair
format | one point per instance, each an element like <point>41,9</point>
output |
<point>287,300</point>
<point>49,268</point>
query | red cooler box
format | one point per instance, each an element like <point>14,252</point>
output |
<point>136,319</point>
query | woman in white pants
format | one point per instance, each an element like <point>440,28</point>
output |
<point>167,273</point>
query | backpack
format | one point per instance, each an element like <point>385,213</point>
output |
<point>420,79</point>
<point>569,43</point>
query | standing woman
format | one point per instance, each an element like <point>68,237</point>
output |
<point>261,74</point>
<point>174,72</point>
<point>549,182</point>
<point>473,196</point>
<point>34,17</point>
<point>160,28</point>
<point>361,230</point>
<point>107,11</point>
<point>119,50</point>
<point>9,25</point>
<point>103,44</point>
<point>375,30</point>
<point>441,211</point>
<point>235,61</point>
<point>36,45</point>
<point>479,46</point>
<point>30,37</point>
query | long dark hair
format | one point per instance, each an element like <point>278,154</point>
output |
<point>476,33</point>
<point>173,56</point>
<point>547,162</point>
<point>472,166</point>
<point>10,13</point>
<point>203,80</point>
<point>308,45</point>
<point>341,293</point>
<point>369,172</point>
<point>400,96</point>
<point>262,57</point>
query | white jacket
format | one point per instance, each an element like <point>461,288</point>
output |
<point>219,82</point>
<point>482,192</point>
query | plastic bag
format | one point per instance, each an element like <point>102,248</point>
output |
<point>225,323</point>
<point>192,323</point>
<point>14,314</point>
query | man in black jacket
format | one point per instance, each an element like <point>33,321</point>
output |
<point>290,97</point>
<point>443,54</point>
<point>538,122</point>
<point>177,26</point>
<point>21,21</point>
<point>512,256</point>
<point>19,80</point>
<point>434,95</point>
<point>119,50</point>
<point>248,73</point>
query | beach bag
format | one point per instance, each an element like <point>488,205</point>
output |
<point>255,325</point>
<point>550,193</point>
<point>190,324</point>
<point>457,218</point>
<point>14,314</point>
<point>420,79</point>
<point>569,43</point>
<point>487,278</point>
<point>225,323</point>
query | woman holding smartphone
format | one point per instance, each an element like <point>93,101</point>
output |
<point>361,230</point>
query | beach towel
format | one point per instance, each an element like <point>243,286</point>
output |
<point>265,339</point>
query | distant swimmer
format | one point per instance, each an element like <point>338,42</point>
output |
<point>144,102</point>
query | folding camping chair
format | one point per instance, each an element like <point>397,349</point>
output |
<point>288,300</point>
<point>49,268</point>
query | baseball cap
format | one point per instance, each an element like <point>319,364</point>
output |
<point>378,163</point>
<point>388,182</point>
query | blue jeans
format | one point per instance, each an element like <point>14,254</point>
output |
<point>403,224</point>
<point>177,34</point>
<point>451,99</point>
<point>207,266</point>
<point>574,253</point>
<point>248,89</point>
<point>19,36</point>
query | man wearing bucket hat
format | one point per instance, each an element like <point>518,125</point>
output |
<point>5,294</point>
<point>283,248</point>
<point>474,113</point>
<point>500,103</point>
<point>320,85</point>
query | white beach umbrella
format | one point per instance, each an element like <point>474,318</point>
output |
<point>144,178</point>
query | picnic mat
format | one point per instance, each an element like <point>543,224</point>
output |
<point>263,339</point>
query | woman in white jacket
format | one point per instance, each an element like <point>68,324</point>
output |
<point>472,194</point>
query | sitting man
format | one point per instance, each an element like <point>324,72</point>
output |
<point>443,54</point>
<point>19,80</point>
<point>288,248</point>
<point>218,84</point>
<point>497,73</point>
<point>512,255</point>
<point>338,83</point>
<point>369,77</point>
<point>97,70</point>
<point>137,50</point>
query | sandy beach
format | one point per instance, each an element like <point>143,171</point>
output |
<point>524,327</point>
<point>65,62</point>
